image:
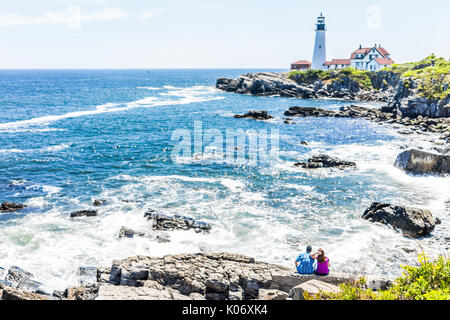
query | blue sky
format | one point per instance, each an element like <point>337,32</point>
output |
<point>212,34</point>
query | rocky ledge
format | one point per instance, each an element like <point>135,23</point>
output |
<point>221,276</point>
<point>385,115</point>
<point>272,84</point>
<point>412,222</point>
<point>11,206</point>
<point>324,161</point>
<point>215,276</point>
<point>257,115</point>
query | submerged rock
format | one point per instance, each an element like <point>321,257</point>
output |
<point>412,222</point>
<point>84,213</point>
<point>257,115</point>
<point>176,222</point>
<point>11,206</point>
<point>99,203</point>
<point>420,162</point>
<point>128,233</point>
<point>324,161</point>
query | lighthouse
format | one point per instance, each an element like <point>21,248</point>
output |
<point>320,49</point>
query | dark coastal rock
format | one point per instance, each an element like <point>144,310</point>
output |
<point>324,161</point>
<point>84,213</point>
<point>215,276</point>
<point>11,206</point>
<point>420,162</point>
<point>266,84</point>
<point>129,233</point>
<point>99,203</point>
<point>176,222</point>
<point>308,112</point>
<point>412,222</point>
<point>257,115</point>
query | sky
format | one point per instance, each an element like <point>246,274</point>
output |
<point>211,33</point>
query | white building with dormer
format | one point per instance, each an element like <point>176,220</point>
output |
<point>371,59</point>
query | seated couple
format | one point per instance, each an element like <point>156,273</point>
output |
<point>305,263</point>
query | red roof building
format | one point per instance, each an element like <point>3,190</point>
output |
<point>301,65</point>
<point>337,64</point>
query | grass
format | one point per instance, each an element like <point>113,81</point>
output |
<point>336,76</point>
<point>428,281</point>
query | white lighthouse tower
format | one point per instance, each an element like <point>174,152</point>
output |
<point>320,49</point>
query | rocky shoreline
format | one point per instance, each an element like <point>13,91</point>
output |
<point>213,276</point>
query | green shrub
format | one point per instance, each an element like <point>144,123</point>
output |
<point>428,281</point>
<point>433,74</point>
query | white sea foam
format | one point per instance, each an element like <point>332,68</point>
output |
<point>187,95</point>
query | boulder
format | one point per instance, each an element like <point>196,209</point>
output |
<point>11,206</point>
<point>324,161</point>
<point>412,222</point>
<point>265,294</point>
<point>98,203</point>
<point>84,213</point>
<point>176,222</point>
<point>128,233</point>
<point>312,287</point>
<point>420,162</point>
<point>257,115</point>
<point>20,279</point>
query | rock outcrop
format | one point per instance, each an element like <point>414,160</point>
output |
<point>257,115</point>
<point>11,206</point>
<point>324,161</point>
<point>84,213</point>
<point>402,96</point>
<point>412,222</point>
<point>384,115</point>
<point>420,162</point>
<point>176,222</point>
<point>221,276</point>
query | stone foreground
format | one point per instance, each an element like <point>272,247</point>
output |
<point>220,276</point>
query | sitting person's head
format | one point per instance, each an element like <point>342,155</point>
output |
<point>321,256</point>
<point>308,249</point>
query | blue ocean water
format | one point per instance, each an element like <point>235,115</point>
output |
<point>71,136</point>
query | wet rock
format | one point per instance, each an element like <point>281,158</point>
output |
<point>18,278</point>
<point>420,162</point>
<point>11,206</point>
<point>412,222</point>
<point>176,222</point>
<point>257,115</point>
<point>87,276</point>
<point>128,233</point>
<point>312,287</point>
<point>84,213</point>
<point>99,203</point>
<point>324,161</point>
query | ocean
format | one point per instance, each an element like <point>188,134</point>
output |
<point>69,137</point>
